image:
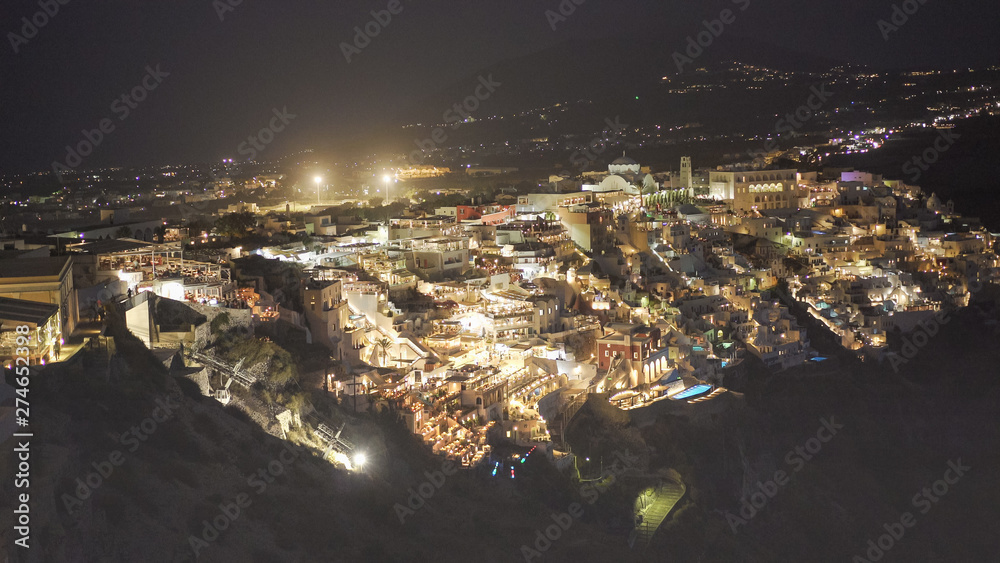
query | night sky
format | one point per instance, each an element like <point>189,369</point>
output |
<point>226,77</point>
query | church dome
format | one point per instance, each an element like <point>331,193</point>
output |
<point>934,203</point>
<point>624,165</point>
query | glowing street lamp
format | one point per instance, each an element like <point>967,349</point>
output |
<point>359,461</point>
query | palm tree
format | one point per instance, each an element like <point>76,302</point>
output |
<point>646,189</point>
<point>381,345</point>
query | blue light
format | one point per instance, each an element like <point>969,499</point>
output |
<point>692,391</point>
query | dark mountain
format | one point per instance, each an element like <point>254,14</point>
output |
<point>608,71</point>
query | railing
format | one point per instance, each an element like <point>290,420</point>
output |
<point>665,499</point>
<point>243,378</point>
<point>124,303</point>
<point>333,439</point>
<point>569,412</point>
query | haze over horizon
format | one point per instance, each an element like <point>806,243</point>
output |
<point>225,78</point>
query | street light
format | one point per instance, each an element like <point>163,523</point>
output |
<point>359,460</point>
<point>319,182</point>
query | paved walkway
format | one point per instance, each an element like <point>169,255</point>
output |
<point>85,330</point>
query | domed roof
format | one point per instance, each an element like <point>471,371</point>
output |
<point>624,161</point>
<point>934,202</point>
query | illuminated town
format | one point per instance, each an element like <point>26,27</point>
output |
<point>632,284</point>
<point>482,294</point>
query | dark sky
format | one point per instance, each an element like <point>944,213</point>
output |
<point>225,77</point>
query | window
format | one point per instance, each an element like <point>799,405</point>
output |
<point>605,353</point>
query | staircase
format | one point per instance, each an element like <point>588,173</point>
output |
<point>666,497</point>
<point>558,431</point>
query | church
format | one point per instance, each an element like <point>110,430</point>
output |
<point>625,175</point>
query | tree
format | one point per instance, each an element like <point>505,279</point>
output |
<point>236,225</point>
<point>123,232</point>
<point>381,346</point>
<point>583,344</point>
<point>219,323</point>
<point>279,367</point>
<point>647,188</point>
<point>298,403</point>
<point>196,227</point>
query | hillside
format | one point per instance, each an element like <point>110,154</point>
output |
<point>857,448</point>
<point>893,435</point>
<point>164,487</point>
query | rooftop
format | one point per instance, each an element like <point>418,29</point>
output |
<point>109,246</point>
<point>22,311</point>
<point>50,266</point>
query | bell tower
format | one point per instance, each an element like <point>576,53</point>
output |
<point>685,172</point>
